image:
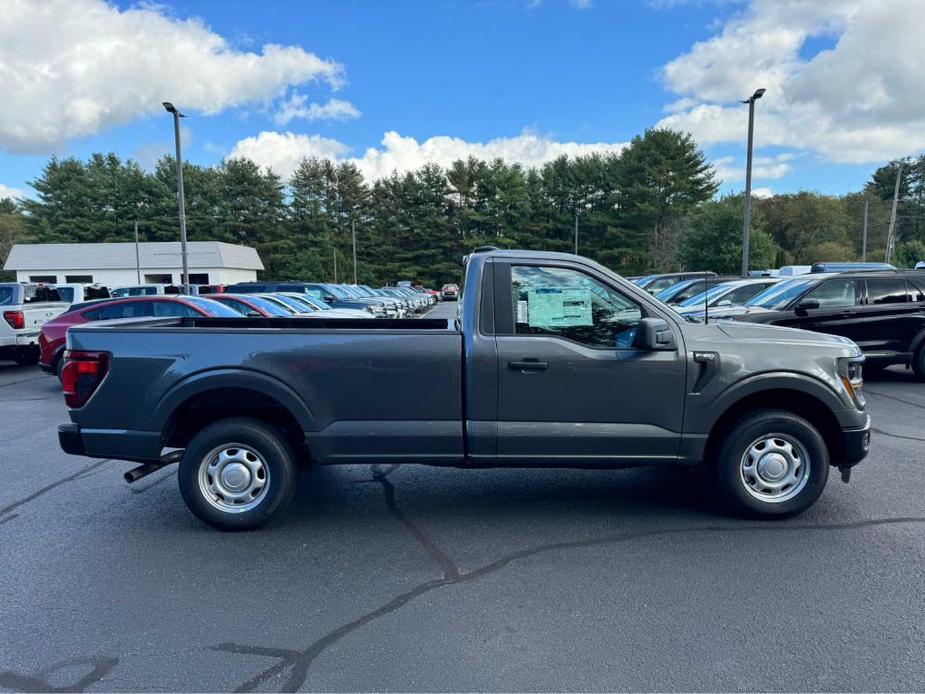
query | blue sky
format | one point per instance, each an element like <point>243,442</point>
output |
<point>560,74</point>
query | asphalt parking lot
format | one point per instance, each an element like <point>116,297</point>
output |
<point>413,578</point>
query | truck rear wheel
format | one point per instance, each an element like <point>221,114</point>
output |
<point>237,474</point>
<point>772,464</point>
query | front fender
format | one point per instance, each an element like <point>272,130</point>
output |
<point>702,416</point>
<point>213,379</point>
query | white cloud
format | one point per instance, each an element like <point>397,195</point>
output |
<point>9,192</point>
<point>70,68</point>
<point>581,4</point>
<point>295,107</point>
<point>762,192</point>
<point>283,151</point>
<point>859,101</point>
<point>728,170</point>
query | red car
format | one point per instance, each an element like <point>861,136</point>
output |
<point>54,332</point>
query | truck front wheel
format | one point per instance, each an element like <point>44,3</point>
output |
<point>237,474</point>
<point>772,464</point>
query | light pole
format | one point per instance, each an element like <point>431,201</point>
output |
<point>180,194</point>
<point>748,177</point>
<point>353,233</point>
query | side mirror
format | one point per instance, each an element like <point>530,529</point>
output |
<point>656,335</point>
<point>329,298</point>
<point>724,303</point>
<point>807,305</point>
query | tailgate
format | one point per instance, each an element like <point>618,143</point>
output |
<point>36,315</point>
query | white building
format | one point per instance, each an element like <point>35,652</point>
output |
<point>114,264</point>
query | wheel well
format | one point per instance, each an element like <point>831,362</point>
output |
<point>810,408</point>
<point>211,406</point>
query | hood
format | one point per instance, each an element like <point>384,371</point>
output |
<point>765,334</point>
<point>731,311</point>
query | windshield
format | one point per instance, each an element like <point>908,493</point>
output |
<point>213,308</point>
<point>314,303</point>
<point>779,295</point>
<point>709,295</point>
<point>294,304</point>
<point>666,294</point>
<point>268,306</point>
<point>6,296</point>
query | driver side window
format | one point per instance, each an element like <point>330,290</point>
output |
<point>570,304</point>
<point>834,294</point>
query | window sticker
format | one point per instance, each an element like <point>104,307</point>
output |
<point>557,307</point>
<point>521,311</point>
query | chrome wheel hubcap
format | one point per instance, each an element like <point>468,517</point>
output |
<point>775,468</point>
<point>233,478</point>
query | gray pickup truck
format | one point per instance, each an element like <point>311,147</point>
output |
<point>554,361</point>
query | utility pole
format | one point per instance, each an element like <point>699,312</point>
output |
<point>180,194</point>
<point>576,231</point>
<point>864,236</point>
<point>353,233</point>
<point>335,265</point>
<point>748,177</point>
<point>890,238</point>
<point>137,255</point>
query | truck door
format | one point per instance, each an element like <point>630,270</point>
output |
<point>572,389</point>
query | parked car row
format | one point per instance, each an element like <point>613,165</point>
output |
<point>251,299</point>
<point>385,302</point>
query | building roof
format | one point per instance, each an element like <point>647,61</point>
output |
<point>119,256</point>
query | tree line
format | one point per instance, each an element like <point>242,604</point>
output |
<point>653,207</point>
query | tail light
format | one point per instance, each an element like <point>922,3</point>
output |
<point>16,319</point>
<point>81,375</point>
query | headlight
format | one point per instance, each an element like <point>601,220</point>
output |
<point>850,373</point>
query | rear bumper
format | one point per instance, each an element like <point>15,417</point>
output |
<point>855,445</point>
<point>121,444</point>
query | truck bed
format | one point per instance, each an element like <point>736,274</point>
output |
<point>361,389</point>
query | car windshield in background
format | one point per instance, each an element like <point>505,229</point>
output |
<point>779,295</point>
<point>708,295</point>
<point>270,307</point>
<point>213,307</point>
<point>278,310</point>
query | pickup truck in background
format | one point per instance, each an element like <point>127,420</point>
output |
<point>26,308</point>
<point>554,361</point>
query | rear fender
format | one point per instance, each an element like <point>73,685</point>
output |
<point>215,379</point>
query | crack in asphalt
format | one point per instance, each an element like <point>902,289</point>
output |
<point>446,563</point>
<point>299,662</point>
<point>80,474</point>
<point>40,680</point>
<point>893,397</point>
<point>896,436</point>
<point>25,380</point>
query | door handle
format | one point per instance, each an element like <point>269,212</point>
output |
<point>528,365</point>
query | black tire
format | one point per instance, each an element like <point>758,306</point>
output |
<point>779,428</point>
<point>918,362</point>
<point>274,455</point>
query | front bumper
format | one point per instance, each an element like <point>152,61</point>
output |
<point>855,445</point>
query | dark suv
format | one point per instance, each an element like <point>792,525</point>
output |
<point>882,311</point>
